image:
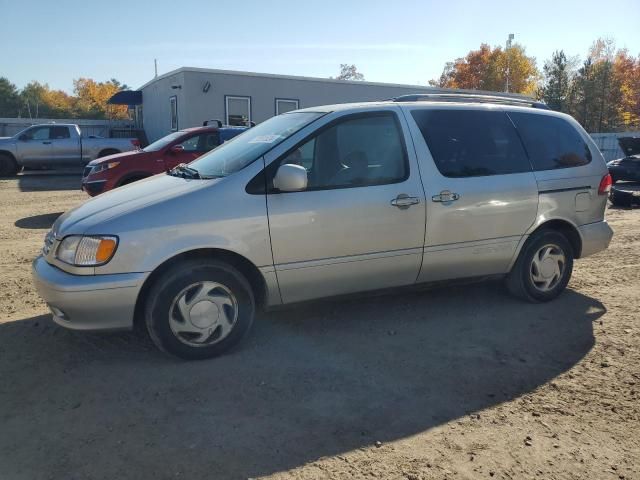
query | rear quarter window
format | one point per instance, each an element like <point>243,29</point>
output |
<point>551,142</point>
<point>472,143</point>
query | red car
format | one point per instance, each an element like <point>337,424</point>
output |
<point>183,146</point>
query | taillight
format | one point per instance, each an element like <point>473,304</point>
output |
<point>605,185</point>
<point>135,142</point>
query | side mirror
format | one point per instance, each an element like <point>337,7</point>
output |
<point>177,149</point>
<point>290,178</point>
<point>23,137</point>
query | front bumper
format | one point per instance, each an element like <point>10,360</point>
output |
<point>88,302</point>
<point>94,187</point>
<point>595,237</point>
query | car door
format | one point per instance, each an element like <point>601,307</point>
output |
<point>65,148</point>
<point>481,192</point>
<point>359,224</point>
<point>34,147</point>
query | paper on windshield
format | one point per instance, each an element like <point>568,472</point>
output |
<point>265,139</point>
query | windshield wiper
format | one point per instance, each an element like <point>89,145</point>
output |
<point>185,171</point>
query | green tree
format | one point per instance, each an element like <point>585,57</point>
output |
<point>32,100</point>
<point>9,98</point>
<point>558,78</point>
<point>596,94</point>
<point>349,72</point>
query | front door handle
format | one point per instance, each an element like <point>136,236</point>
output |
<point>46,143</point>
<point>445,196</point>
<point>404,201</point>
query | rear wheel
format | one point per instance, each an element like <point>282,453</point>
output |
<point>8,165</point>
<point>199,309</point>
<point>543,268</point>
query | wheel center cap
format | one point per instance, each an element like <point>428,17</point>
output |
<point>548,267</point>
<point>204,314</point>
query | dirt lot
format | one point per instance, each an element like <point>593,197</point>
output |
<point>459,383</point>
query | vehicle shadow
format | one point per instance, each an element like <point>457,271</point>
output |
<point>38,221</point>
<point>49,180</point>
<point>312,381</point>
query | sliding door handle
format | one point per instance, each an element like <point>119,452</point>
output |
<point>445,196</point>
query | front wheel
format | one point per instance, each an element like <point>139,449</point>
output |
<point>8,166</point>
<point>199,309</point>
<point>543,268</point>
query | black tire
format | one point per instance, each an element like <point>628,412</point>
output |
<point>8,165</point>
<point>520,282</point>
<point>617,200</point>
<point>109,151</point>
<point>161,304</point>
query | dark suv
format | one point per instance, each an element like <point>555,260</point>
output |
<point>183,146</point>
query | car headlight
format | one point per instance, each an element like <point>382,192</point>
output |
<point>87,251</point>
<point>101,167</point>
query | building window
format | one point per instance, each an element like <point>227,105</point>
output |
<point>238,110</point>
<point>173,102</point>
<point>284,105</point>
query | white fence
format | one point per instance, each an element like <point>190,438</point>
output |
<point>11,126</point>
<point>608,143</point>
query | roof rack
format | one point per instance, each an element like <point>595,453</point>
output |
<point>215,120</point>
<point>471,97</point>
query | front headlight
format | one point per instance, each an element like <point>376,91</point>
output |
<point>101,167</point>
<point>87,251</point>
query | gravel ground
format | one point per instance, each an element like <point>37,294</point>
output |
<point>461,382</point>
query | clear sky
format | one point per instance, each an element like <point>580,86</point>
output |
<point>399,41</point>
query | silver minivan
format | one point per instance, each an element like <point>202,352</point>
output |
<point>330,201</point>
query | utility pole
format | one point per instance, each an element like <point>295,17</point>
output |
<point>509,40</point>
<point>155,64</point>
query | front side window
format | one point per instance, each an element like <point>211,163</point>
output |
<point>173,106</point>
<point>354,152</point>
<point>250,145</point>
<point>472,143</point>
<point>40,133</point>
<point>551,142</point>
<point>238,110</point>
<point>201,143</point>
<point>284,105</point>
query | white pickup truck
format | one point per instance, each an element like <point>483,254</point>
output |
<point>56,145</point>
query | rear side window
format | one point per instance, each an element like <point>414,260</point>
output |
<point>60,132</point>
<point>472,143</point>
<point>551,142</point>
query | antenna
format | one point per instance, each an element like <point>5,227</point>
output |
<point>507,51</point>
<point>155,64</point>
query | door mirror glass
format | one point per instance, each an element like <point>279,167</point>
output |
<point>177,149</point>
<point>290,178</point>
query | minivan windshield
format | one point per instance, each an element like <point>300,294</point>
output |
<point>242,150</point>
<point>163,142</point>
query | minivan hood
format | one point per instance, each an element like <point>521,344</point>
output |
<point>629,145</point>
<point>124,200</point>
